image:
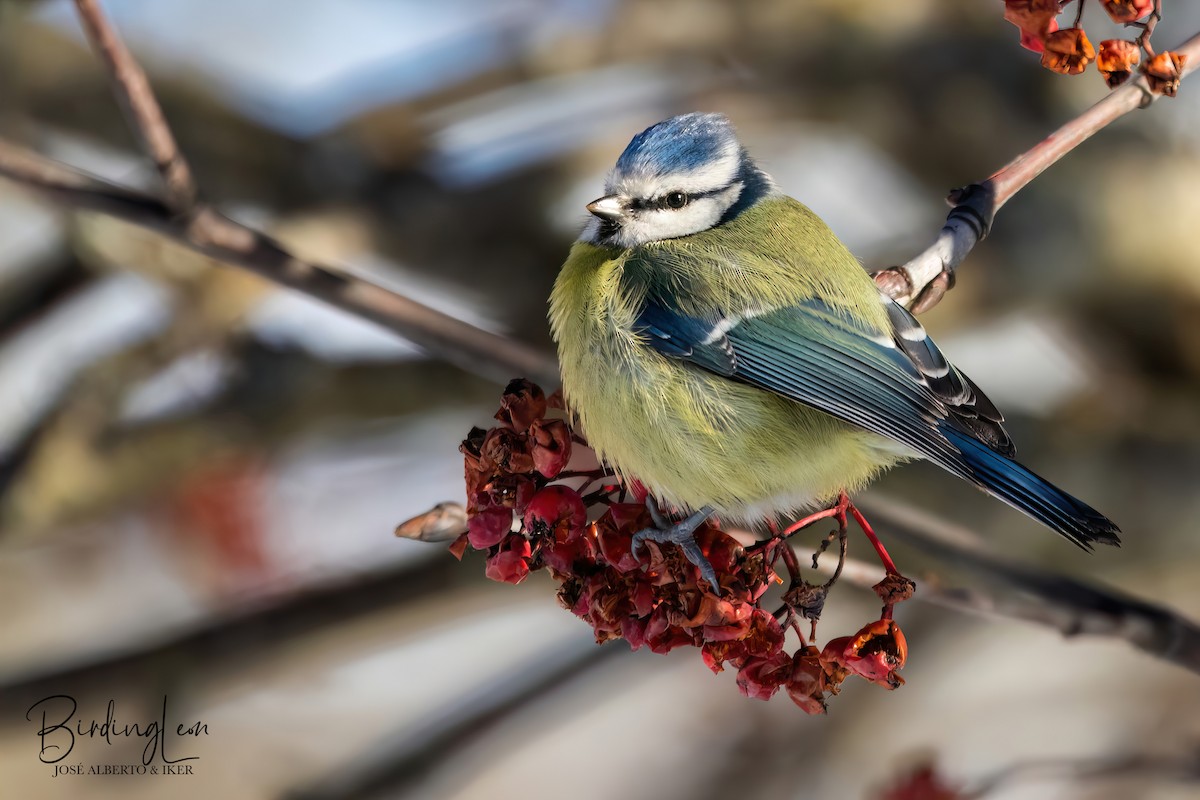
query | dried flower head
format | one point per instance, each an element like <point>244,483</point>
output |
<point>1116,60</point>
<point>875,653</point>
<point>809,681</point>
<point>1164,71</point>
<point>1037,19</point>
<point>1068,51</point>
<point>894,588</point>
<point>1123,11</point>
<point>522,512</point>
<point>522,402</point>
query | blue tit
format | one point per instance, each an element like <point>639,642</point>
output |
<point>719,344</point>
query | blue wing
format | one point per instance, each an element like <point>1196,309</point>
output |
<point>895,383</point>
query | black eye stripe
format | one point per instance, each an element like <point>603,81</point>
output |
<point>660,202</point>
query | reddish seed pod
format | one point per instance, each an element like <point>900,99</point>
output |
<point>523,402</point>
<point>1123,11</point>
<point>1036,19</point>
<point>1068,51</point>
<point>654,597</point>
<point>1164,72</point>
<point>1116,60</point>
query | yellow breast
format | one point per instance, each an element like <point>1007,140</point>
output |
<point>691,437</point>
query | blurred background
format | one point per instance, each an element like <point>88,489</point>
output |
<point>200,473</point>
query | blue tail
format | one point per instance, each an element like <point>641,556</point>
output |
<point>1021,489</point>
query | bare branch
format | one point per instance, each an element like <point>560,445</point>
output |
<point>185,218</point>
<point>246,633</point>
<point>141,108</point>
<point>921,282</point>
<point>1071,607</point>
<point>404,759</point>
<point>1065,604</point>
<point>1183,768</point>
<point>75,188</point>
<point>209,232</point>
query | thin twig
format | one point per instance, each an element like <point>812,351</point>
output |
<point>184,217</point>
<point>1085,610</point>
<point>793,565</point>
<point>1143,39</point>
<point>824,545</point>
<point>843,545</point>
<point>141,108</point>
<point>922,281</point>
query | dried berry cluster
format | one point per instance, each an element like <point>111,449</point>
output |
<point>655,597</point>
<point>1069,51</point>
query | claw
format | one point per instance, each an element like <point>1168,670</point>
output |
<point>683,534</point>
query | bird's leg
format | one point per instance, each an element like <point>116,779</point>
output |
<point>682,533</point>
<point>662,520</point>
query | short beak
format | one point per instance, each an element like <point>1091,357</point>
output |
<point>609,208</point>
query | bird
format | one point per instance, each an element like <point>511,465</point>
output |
<point>719,344</point>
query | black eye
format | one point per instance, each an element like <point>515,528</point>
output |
<point>676,200</point>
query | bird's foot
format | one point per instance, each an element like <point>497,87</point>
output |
<point>683,534</point>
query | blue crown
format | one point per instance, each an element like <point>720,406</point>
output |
<point>678,144</point>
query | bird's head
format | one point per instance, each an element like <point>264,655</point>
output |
<point>682,176</point>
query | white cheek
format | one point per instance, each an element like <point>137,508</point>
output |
<point>697,216</point>
<point>667,223</point>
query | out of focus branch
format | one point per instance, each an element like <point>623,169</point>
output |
<point>184,217</point>
<point>246,635</point>
<point>922,281</point>
<point>1184,768</point>
<point>1069,606</point>
<point>141,108</point>
<point>401,761</point>
<point>924,780</point>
